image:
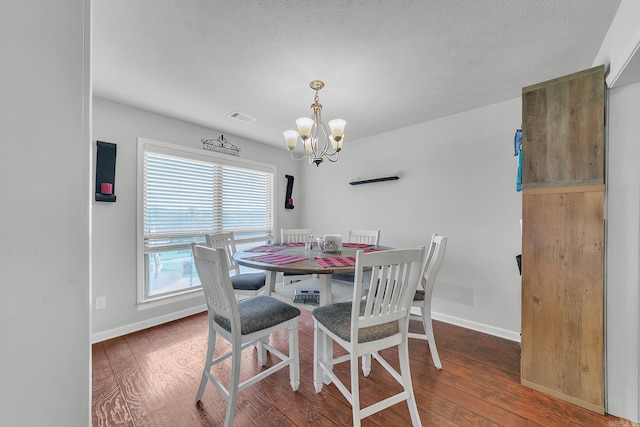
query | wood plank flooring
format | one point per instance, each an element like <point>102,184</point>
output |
<point>150,378</point>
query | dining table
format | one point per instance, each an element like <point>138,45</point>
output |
<point>298,259</point>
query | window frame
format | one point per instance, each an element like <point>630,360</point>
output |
<point>145,145</point>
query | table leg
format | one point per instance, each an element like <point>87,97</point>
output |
<point>271,282</point>
<point>325,289</point>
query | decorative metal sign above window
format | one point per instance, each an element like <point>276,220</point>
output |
<point>220,145</point>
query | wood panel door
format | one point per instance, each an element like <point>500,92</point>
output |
<point>562,347</point>
<point>563,131</point>
<point>562,294</point>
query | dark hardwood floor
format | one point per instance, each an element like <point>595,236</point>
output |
<point>150,378</point>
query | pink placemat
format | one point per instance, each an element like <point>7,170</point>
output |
<point>356,245</point>
<point>294,244</point>
<point>276,259</point>
<point>266,248</point>
<point>343,261</point>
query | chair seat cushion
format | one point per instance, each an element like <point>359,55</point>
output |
<point>337,319</point>
<point>249,281</point>
<point>260,312</point>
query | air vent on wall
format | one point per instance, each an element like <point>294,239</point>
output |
<point>242,117</point>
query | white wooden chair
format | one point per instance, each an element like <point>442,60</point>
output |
<point>379,321</point>
<point>242,324</point>
<point>371,237</point>
<point>422,298</point>
<point>294,235</point>
<point>243,283</point>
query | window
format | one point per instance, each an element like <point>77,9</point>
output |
<point>186,194</point>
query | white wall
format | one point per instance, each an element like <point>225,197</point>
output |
<point>44,192</point>
<point>623,253</point>
<point>457,178</point>
<point>114,230</point>
<point>623,213</point>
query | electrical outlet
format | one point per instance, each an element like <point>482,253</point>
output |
<point>101,302</point>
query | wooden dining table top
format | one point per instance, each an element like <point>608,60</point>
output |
<point>307,263</point>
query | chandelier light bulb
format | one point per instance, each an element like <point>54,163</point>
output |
<point>308,145</point>
<point>337,145</point>
<point>290,138</point>
<point>304,127</point>
<point>337,129</point>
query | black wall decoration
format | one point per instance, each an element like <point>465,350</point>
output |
<point>288,200</point>
<point>371,180</point>
<point>105,172</point>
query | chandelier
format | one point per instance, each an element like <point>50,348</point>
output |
<point>317,142</point>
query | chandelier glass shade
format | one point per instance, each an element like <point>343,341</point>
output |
<point>318,141</point>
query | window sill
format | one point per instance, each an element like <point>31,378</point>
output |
<point>170,299</point>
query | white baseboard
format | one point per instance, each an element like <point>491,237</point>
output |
<point>148,323</point>
<point>480,327</point>
<point>134,327</point>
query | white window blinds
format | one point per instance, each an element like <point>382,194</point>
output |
<point>188,198</point>
<point>245,201</point>
<point>179,195</point>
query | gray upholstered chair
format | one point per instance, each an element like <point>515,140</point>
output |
<point>242,324</point>
<point>422,298</point>
<point>379,321</point>
<point>243,283</point>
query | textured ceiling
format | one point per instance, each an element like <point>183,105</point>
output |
<point>386,64</point>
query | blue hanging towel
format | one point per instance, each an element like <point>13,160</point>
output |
<point>517,146</point>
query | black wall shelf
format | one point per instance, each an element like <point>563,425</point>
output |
<point>369,181</point>
<point>105,171</point>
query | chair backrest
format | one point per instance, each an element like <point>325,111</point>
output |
<point>293,235</point>
<point>432,263</point>
<point>225,240</point>
<point>392,283</point>
<point>371,237</point>
<point>213,271</point>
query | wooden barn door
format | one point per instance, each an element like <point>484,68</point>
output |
<point>563,238</point>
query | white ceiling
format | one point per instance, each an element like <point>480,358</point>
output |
<point>386,64</point>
